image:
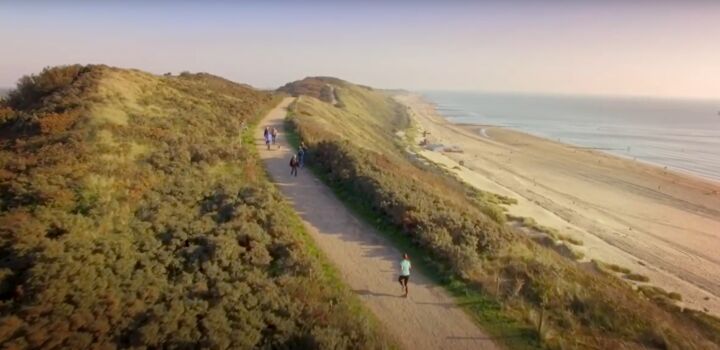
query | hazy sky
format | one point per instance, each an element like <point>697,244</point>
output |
<point>600,47</point>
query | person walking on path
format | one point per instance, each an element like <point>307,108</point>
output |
<point>294,163</point>
<point>274,135</point>
<point>302,152</point>
<point>301,156</point>
<point>405,267</point>
<point>268,137</point>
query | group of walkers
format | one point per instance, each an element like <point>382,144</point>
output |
<point>297,161</point>
<point>270,135</point>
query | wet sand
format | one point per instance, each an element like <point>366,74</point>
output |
<point>658,223</point>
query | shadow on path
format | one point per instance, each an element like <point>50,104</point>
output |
<point>366,292</point>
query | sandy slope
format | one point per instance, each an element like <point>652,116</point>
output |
<point>658,223</point>
<point>368,263</point>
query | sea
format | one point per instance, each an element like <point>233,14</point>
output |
<point>682,134</point>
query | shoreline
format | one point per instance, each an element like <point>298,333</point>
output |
<point>602,151</point>
<point>658,222</point>
<point>665,149</point>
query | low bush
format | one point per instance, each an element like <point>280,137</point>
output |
<point>318,87</point>
<point>618,269</point>
<point>675,296</point>
<point>569,239</point>
<point>637,277</point>
<point>133,215</point>
<point>32,91</point>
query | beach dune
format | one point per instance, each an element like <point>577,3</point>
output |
<point>658,223</point>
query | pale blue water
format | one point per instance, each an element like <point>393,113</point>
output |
<point>681,134</point>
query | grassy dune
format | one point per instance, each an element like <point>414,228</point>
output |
<point>525,294</point>
<point>135,213</point>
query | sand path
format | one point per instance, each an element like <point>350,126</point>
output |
<point>367,262</point>
<point>659,223</point>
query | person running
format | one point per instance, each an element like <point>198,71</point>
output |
<point>405,267</point>
<point>294,163</point>
<point>274,135</point>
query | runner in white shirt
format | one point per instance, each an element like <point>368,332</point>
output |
<point>405,267</point>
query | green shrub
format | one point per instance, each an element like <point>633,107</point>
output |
<point>495,213</point>
<point>161,232</point>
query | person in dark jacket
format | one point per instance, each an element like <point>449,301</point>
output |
<point>302,153</point>
<point>294,164</point>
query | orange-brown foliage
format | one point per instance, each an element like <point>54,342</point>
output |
<point>118,237</point>
<point>54,123</point>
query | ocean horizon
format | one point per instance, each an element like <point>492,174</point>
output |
<point>681,134</point>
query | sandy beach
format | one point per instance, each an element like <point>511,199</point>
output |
<point>658,223</point>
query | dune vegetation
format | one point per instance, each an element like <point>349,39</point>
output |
<point>525,294</point>
<point>134,213</point>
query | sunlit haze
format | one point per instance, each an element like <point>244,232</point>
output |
<point>609,47</point>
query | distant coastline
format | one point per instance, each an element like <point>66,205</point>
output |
<point>693,151</point>
<point>479,128</point>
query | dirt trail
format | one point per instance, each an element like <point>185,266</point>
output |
<point>368,263</point>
